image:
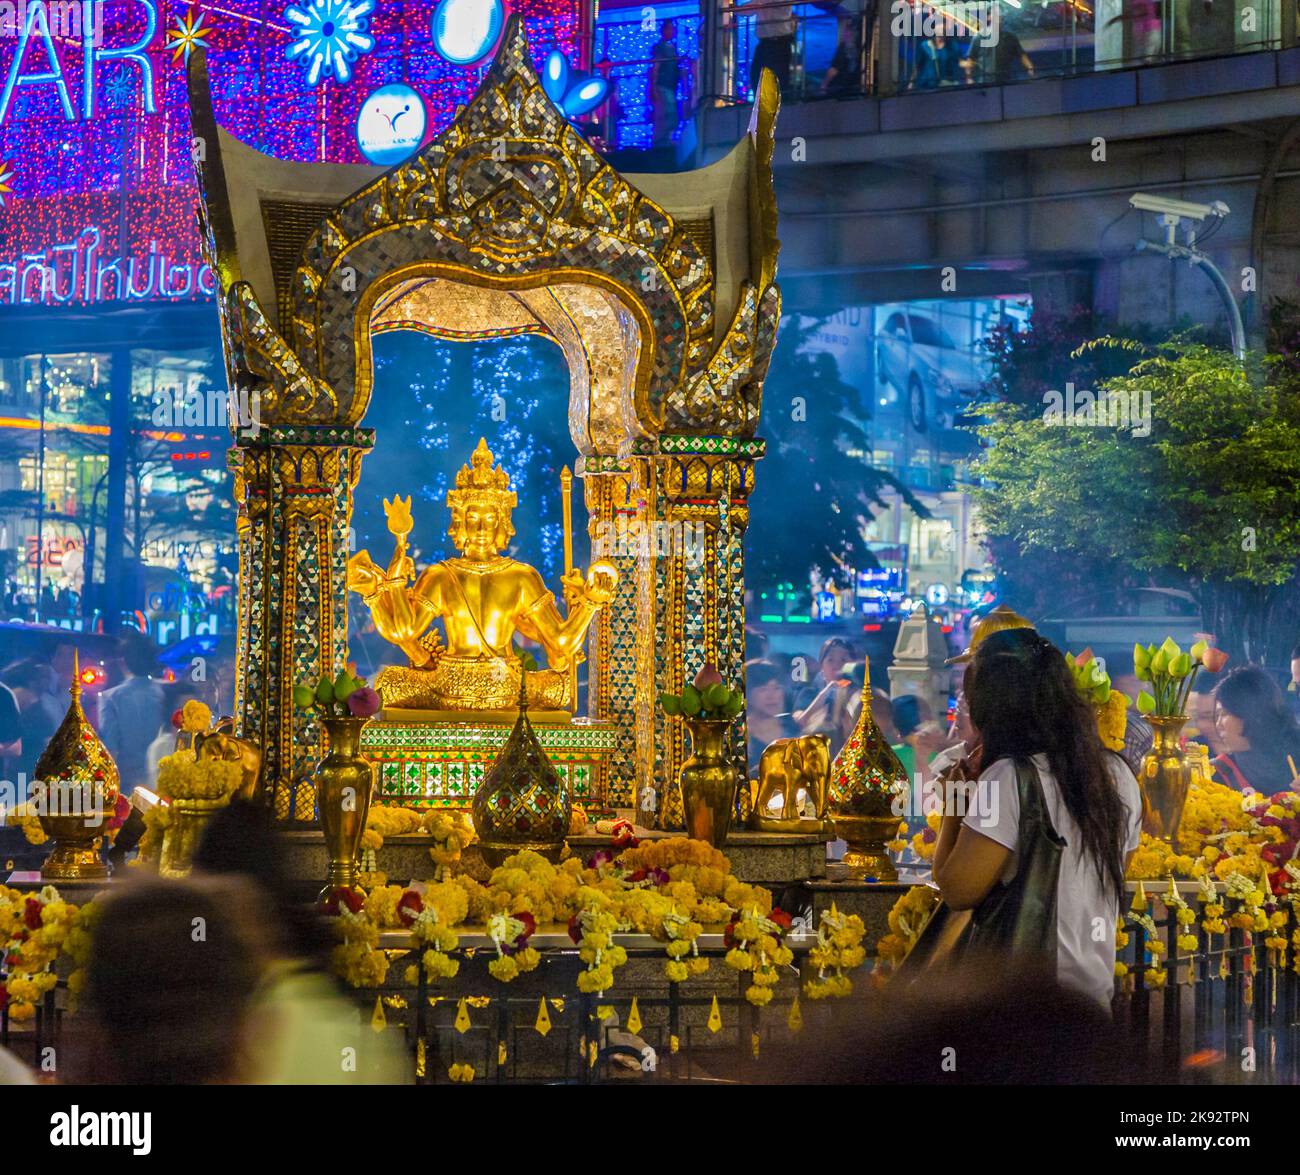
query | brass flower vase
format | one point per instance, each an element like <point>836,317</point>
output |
<point>183,832</point>
<point>1165,776</point>
<point>344,783</point>
<point>709,782</point>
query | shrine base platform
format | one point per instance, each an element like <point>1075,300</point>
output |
<point>764,858</point>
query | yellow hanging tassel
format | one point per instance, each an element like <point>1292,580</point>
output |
<point>674,1044</point>
<point>543,1022</point>
<point>462,1016</point>
<point>753,1044</point>
<point>794,1021</point>
<point>1224,970</point>
<point>378,1021</point>
<point>592,1053</point>
<point>715,1016</point>
<point>634,1018</point>
<point>419,1057</point>
<point>501,1052</point>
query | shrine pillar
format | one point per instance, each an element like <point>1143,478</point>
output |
<point>293,490</point>
<point>701,488</point>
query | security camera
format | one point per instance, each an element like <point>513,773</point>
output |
<point>1183,209</point>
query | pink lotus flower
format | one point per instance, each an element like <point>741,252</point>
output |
<point>364,702</point>
<point>708,676</point>
<point>1214,660</point>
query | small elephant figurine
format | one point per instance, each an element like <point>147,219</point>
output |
<point>221,743</point>
<point>793,774</point>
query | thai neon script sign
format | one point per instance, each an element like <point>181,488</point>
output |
<point>82,270</point>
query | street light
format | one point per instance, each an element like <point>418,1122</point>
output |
<point>1187,214</point>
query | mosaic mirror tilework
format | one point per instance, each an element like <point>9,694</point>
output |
<point>442,765</point>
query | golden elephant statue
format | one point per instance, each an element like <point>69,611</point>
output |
<point>220,743</point>
<point>792,789</point>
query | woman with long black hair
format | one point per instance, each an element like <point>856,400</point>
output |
<point>1259,734</point>
<point>1050,816</point>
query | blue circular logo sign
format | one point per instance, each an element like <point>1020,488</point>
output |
<point>390,124</point>
<point>464,31</point>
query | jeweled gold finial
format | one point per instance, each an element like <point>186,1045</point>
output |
<point>78,783</point>
<point>482,478</point>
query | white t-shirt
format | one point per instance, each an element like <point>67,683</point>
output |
<point>1085,916</point>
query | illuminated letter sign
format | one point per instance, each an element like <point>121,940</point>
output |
<point>135,53</point>
<point>36,14</point>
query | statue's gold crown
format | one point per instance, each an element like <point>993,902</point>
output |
<point>482,479</point>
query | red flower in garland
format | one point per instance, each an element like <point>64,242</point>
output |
<point>409,907</point>
<point>782,919</point>
<point>575,928</point>
<point>32,914</point>
<point>623,835</point>
<point>121,810</point>
<point>178,719</point>
<point>342,896</point>
<point>521,939</point>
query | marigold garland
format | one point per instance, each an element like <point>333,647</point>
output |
<point>839,950</point>
<point>35,929</point>
<point>759,950</point>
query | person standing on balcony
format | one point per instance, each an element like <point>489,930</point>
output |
<point>937,64</point>
<point>774,25</point>
<point>664,74</point>
<point>842,75</point>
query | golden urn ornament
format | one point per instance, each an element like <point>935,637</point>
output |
<point>523,803</point>
<point>75,793</point>
<point>867,784</point>
<point>483,598</point>
<point>792,789</point>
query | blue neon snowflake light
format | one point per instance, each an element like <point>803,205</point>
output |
<point>330,36</point>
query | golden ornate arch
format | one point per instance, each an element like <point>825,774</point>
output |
<point>511,199</point>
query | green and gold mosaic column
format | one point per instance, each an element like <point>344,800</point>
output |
<point>293,488</point>
<point>700,592</point>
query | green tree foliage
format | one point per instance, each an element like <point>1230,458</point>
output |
<point>1210,495</point>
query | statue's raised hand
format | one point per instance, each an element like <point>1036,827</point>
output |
<point>602,579</point>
